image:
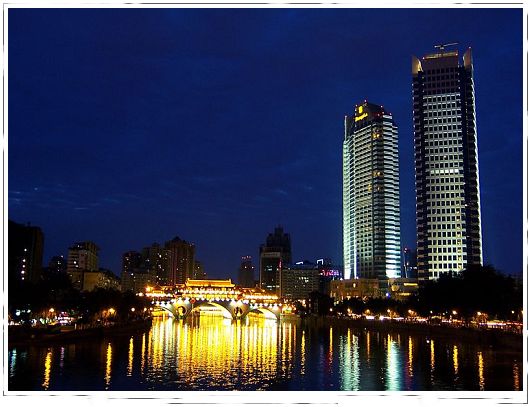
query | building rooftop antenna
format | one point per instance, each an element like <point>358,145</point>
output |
<point>442,46</point>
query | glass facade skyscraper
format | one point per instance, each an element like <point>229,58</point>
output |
<point>446,164</point>
<point>371,204</point>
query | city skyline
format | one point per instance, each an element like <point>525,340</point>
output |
<point>118,184</point>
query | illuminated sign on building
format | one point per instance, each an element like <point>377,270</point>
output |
<point>360,115</point>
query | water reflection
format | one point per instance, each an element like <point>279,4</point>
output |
<point>62,358</point>
<point>47,370</point>
<point>456,360</point>
<point>210,353</point>
<point>393,373</point>
<point>108,361</point>
<point>410,357</point>
<point>219,350</point>
<point>12,363</point>
<point>143,354</point>
<point>130,358</point>
<point>480,371</point>
<point>349,366</point>
<point>516,376</point>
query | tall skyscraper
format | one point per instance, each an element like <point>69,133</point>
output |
<point>275,253</point>
<point>371,205</point>
<point>246,272</point>
<point>446,164</point>
<point>181,260</point>
<point>25,248</point>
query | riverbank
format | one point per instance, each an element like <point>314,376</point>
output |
<point>485,337</point>
<point>24,336</point>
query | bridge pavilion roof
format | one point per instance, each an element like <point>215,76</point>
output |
<point>209,283</point>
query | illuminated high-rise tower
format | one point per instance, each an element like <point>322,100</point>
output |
<point>371,204</point>
<point>446,164</point>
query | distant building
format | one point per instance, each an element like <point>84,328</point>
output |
<point>273,254</point>
<point>102,278</point>
<point>181,261</point>
<point>327,273</point>
<point>132,269</point>
<point>401,288</point>
<point>396,288</point>
<point>155,260</point>
<point>297,281</point>
<point>246,272</point>
<point>82,256</point>
<point>25,249</point>
<point>409,267</point>
<point>199,271</point>
<point>57,265</point>
<point>341,290</point>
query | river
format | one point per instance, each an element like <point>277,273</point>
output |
<point>212,353</point>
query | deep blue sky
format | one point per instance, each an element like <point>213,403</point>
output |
<point>130,126</point>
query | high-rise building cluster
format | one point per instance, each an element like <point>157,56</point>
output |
<point>157,265</point>
<point>446,181</point>
<point>26,248</point>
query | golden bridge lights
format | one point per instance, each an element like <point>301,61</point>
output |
<point>232,301</point>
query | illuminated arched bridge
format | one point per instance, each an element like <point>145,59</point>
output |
<point>232,301</point>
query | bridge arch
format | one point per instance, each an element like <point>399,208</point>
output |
<point>269,314</point>
<point>173,309</point>
<point>226,312</point>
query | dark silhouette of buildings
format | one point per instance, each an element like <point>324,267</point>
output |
<point>150,267</point>
<point>409,268</point>
<point>25,249</point>
<point>246,272</point>
<point>181,260</point>
<point>199,271</point>
<point>275,253</point>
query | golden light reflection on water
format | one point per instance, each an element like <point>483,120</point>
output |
<point>330,346</point>
<point>130,358</point>
<point>516,376</point>
<point>303,353</point>
<point>432,355</point>
<point>220,351</point>
<point>108,362</point>
<point>47,370</point>
<point>143,354</point>
<point>410,357</point>
<point>480,371</point>
<point>456,360</point>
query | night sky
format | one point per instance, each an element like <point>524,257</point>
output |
<point>133,126</point>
